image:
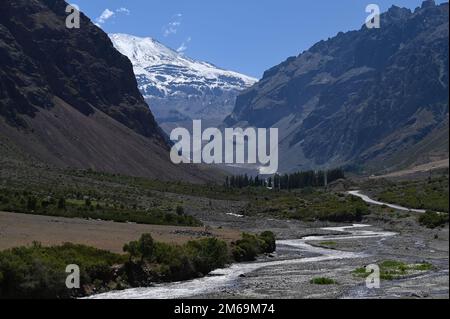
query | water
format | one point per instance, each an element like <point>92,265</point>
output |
<point>229,277</point>
<point>369,200</point>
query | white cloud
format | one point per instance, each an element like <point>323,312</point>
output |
<point>173,26</point>
<point>108,14</point>
<point>123,10</point>
<point>184,46</point>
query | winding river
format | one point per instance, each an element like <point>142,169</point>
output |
<point>371,201</point>
<point>293,250</point>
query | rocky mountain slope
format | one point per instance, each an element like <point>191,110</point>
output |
<point>179,88</point>
<point>69,98</point>
<point>370,97</point>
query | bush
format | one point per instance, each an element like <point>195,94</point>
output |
<point>62,203</point>
<point>433,220</point>
<point>250,246</point>
<point>180,210</point>
<point>394,269</point>
<point>39,272</point>
<point>322,281</point>
<point>208,254</point>
<point>270,242</point>
<point>180,262</point>
<point>143,248</point>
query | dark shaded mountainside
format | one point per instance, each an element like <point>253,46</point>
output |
<point>68,98</point>
<point>376,98</point>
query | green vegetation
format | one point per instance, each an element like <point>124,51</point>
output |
<point>322,281</point>
<point>211,190</point>
<point>105,196</point>
<point>75,204</point>
<point>30,272</point>
<point>310,205</point>
<point>433,220</point>
<point>39,272</point>
<point>250,246</point>
<point>392,269</point>
<point>431,194</point>
<point>192,260</point>
<point>288,181</point>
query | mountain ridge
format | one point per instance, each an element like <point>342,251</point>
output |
<point>359,97</point>
<point>68,98</point>
<point>177,87</point>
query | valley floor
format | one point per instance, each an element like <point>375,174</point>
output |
<point>226,213</point>
<point>330,254</point>
<point>22,229</point>
<point>409,245</point>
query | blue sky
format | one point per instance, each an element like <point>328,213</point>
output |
<point>247,36</point>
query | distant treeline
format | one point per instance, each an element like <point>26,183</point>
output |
<point>287,181</point>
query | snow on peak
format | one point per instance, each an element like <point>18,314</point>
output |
<point>165,70</point>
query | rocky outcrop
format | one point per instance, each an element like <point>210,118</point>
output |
<point>69,98</point>
<point>361,97</point>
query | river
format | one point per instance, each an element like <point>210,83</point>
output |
<point>289,252</point>
<point>369,200</point>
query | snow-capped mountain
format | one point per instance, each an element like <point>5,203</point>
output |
<point>179,88</point>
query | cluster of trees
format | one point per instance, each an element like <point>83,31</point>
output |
<point>43,204</point>
<point>287,181</point>
<point>195,258</point>
<point>39,272</point>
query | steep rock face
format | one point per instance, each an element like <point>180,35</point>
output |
<point>360,97</point>
<point>178,88</point>
<point>42,58</point>
<point>69,98</point>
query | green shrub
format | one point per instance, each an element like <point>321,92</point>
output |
<point>431,194</point>
<point>208,254</point>
<point>250,246</point>
<point>62,203</point>
<point>39,272</point>
<point>433,220</point>
<point>142,248</point>
<point>269,241</point>
<point>393,269</point>
<point>180,210</point>
<point>322,281</point>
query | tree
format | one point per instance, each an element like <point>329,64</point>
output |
<point>180,210</point>
<point>146,246</point>
<point>132,249</point>
<point>32,203</point>
<point>143,248</point>
<point>62,203</point>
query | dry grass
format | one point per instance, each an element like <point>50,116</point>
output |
<point>20,229</point>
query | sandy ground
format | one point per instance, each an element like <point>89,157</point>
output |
<point>21,229</point>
